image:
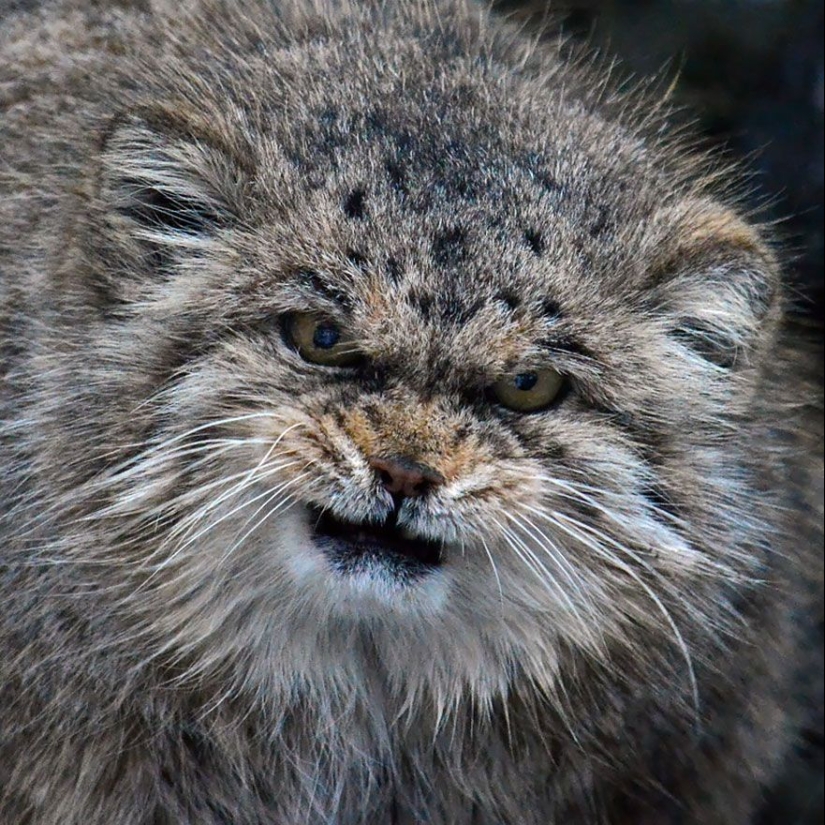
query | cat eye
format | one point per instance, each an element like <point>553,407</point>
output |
<point>320,340</point>
<point>528,391</point>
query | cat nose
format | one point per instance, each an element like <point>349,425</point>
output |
<point>404,477</point>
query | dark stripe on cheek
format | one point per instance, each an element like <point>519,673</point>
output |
<point>189,343</point>
<point>707,343</point>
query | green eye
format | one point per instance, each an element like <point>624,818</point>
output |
<point>322,341</point>
<point>528,391</point>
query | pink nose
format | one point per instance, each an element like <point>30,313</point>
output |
<point>404,477</point>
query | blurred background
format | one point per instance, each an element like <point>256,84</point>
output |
<point>750,76</point>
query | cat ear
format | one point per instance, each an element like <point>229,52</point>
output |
<point>716,279</point>
<point>167,188</point>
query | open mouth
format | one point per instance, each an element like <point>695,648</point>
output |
<point>355,547</point>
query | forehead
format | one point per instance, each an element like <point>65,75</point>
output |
<point>450,215</point>
<point>457,131</point>
<point>431,289</point>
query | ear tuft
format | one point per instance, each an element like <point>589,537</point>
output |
<point>161,211</point>
<point>168,186</point>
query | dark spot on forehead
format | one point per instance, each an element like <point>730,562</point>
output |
<point>356,258</point>
<point>328,116</point>
<point>375,122</point>
<point>551,309</point>
<point>422,302</point>
<point>397,176</point>
<point>457,150</point>
<point>355,204</point>
<point>395,271</point>
<point>534,240</point>
<point>600,224</point>
<point>536,166</point>
<point>550,185</point>
<point>455,309</point>
<point>450,247</point>
<point>509,298</point>
<point>405,141</point>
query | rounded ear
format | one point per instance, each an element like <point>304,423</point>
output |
<point>168,176</point>
<point>716,278</point>
<point>166,187</point>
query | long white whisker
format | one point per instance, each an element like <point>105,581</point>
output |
<point>200,514</point>
<point>245,479</point>
<point>579,531</point>
<point>555,554</point>
<point>532,561</point>
<point>278,491</point>
<point>495,571</point>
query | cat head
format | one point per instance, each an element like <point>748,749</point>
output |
<point>419,357</point>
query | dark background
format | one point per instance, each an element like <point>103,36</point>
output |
<point>750,76</point>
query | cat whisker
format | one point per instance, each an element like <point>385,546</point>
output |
<point>282,504</point>
<point>156,457</point>
<point>245,479</point>
<point>583,534</point>
<point>542,573</point>
<point>495,570</point>
<point>557,556</point>
<point>199,517</point>
<point>659,529</point>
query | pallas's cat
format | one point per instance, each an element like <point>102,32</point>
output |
<point>396,428</point>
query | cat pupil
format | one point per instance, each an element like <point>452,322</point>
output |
<point>525,381</point>
<point>326,337</point>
